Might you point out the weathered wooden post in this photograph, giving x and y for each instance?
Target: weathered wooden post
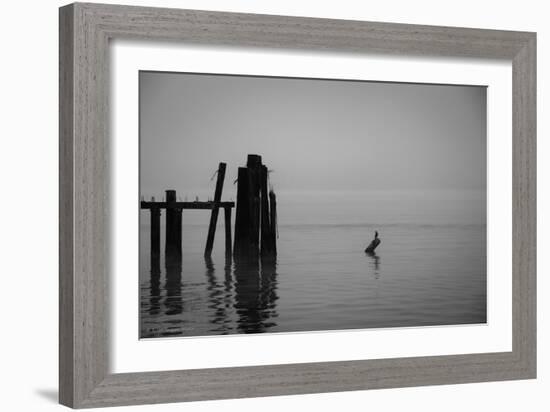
(254, 229)
(173, 226)
(242, 215)
(215, 211)
(155, 233)
(265, 231)
(228, 251)
(254, 164)
(273, 220)
(374, 244)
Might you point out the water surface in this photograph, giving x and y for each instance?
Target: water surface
(422, 274)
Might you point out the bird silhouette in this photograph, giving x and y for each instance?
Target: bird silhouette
(374, 244)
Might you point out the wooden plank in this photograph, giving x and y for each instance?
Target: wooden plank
(215, 210)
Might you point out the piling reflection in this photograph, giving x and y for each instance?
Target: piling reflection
(154, 286)
(173, 302)
(219, 297)
(231, 297)
(375, 262)
(255, 295)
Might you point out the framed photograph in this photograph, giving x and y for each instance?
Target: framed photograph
(257, 205)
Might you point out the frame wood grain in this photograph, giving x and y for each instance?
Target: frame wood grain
(85, 31)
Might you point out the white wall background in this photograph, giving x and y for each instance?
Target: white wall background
(28, 138)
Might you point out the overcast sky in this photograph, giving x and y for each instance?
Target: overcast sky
(316, 135)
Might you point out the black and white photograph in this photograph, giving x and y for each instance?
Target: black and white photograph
(272, 204)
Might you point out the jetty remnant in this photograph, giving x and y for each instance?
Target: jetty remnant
(214, 214)
(374, 244)
(256, 215)
(174, 211)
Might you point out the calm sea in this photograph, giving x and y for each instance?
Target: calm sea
(430, 268)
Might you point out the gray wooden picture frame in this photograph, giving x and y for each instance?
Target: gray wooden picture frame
(85, 31)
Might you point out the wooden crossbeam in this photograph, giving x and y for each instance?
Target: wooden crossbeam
(185, 205)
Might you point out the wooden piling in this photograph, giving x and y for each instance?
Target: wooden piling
(255, 230)
(254, 164)
(374, 244)
(273, 220)
(173, 226)
(215, 210)
(242, 216)
(228, 251)
(155, 233)
(266, 247)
